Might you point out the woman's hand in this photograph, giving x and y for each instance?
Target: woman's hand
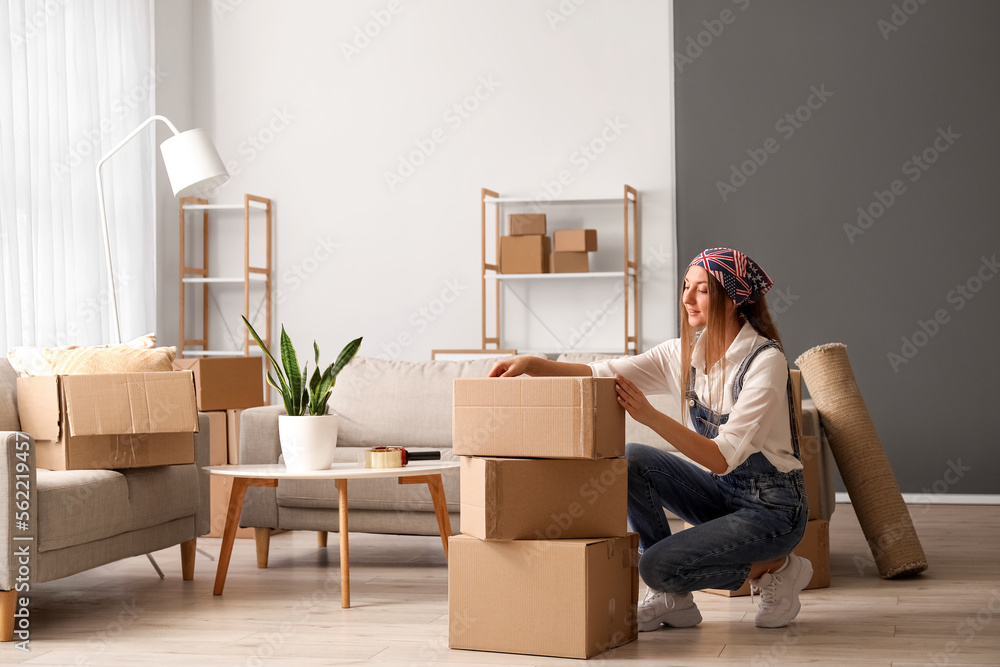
(510, 367)
(634, 401)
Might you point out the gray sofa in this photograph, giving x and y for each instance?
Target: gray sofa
(405, 404)
(80, 519)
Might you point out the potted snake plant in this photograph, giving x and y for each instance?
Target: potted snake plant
(307, 431)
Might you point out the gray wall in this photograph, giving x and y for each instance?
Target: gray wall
(897, 78)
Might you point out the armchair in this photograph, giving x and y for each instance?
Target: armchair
(57, 523)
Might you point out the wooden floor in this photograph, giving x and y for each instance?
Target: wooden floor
(290, 614)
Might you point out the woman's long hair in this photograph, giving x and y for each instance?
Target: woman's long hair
(757, 314)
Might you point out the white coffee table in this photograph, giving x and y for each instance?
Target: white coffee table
(268, 475)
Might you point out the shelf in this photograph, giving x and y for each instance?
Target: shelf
(552, 276)
(224, 207)
(254, 278)
(214, 353)
(555, 202)
(490, 265)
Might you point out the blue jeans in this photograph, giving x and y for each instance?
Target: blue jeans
(751, 515)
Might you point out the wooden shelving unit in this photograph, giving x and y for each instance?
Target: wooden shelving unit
(629, 272)
(252, 275)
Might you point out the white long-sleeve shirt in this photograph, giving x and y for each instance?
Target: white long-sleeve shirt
(758, 422)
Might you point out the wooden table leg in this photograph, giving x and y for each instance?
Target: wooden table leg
(236, 497)
(436, 487)
(345, 564)
(321, 539)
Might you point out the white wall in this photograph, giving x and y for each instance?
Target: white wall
(316, 128)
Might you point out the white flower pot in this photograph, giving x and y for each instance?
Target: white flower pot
(308, 442)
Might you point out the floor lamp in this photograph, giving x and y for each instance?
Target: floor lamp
(193, 167)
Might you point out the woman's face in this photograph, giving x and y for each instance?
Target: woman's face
(694, 296)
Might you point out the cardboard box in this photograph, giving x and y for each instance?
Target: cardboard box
(522, 224)
(117, 420)
(224, 383)
(564, 598)
(233, 435)
(809, 450)
(570, 262)
(538, 417)
(815, 547)
(221, 488)
(218, 454)
(575, 240)
(525, 254)
(526, 499)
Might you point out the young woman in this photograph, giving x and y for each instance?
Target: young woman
(729, 376)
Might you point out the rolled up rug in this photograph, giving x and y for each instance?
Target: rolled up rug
(862, 461)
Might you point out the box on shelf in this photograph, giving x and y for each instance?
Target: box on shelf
(522, 224)
(233, 434)
(538, 417)
(224, 383)
(528, 499)
(218, 452)
(563, 598)
(221, 487)
(570, 262)
(117, 420)
(814, 547)
(575, 240)
(525, 254)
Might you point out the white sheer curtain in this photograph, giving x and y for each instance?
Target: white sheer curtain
(76, 76)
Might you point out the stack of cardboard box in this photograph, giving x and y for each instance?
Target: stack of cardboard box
(571, 250)
(527, 248)
(545, 564)
(224, 387)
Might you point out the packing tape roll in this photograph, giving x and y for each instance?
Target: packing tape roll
(862, 461)
(384, 457)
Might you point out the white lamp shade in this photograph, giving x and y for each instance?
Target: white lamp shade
(193, 165)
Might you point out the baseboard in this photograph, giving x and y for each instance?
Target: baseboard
(939, 498)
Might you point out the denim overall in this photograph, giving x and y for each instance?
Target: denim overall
(752, 514)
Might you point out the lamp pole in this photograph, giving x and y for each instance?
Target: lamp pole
(104, 215)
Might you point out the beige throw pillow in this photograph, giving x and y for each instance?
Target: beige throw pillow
(113, 359)
(30, 361)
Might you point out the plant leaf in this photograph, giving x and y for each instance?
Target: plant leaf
(316, 347)
(274, 362)
(345, 356)
(291, 364)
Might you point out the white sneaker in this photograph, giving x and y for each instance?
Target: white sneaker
(779, 592)
(677, 610)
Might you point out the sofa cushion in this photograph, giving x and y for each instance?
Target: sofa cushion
(400, 403)
(81, 506)
(8, 398)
